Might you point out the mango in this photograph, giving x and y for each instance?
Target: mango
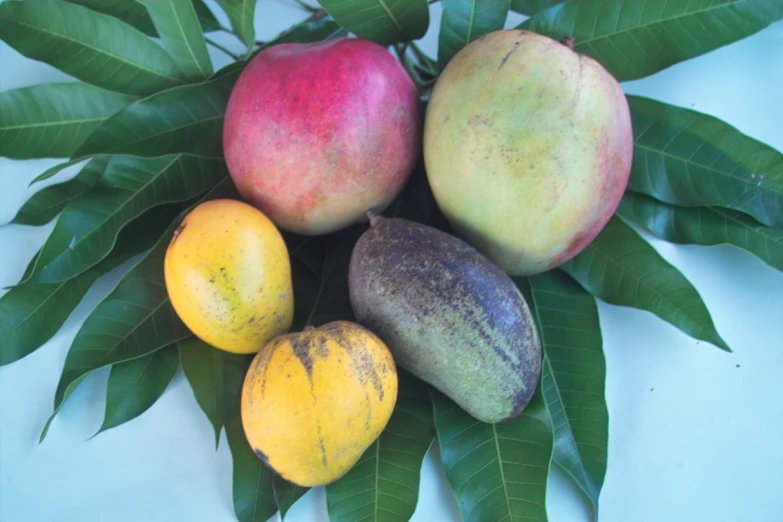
(448, 314)
(528, 148)
(314, 401)
(228, 276)
(315, 134)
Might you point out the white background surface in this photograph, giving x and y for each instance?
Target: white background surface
(695, 434)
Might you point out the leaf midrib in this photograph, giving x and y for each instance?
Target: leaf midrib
(186, 40)
(52, 123)
(96, 50)
(660, 21)
(502, 473)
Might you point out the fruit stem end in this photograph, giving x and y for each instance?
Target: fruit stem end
(569, 42)
(374, 218)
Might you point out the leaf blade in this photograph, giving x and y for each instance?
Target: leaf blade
(44, 205)
(216, 377)
(683, 157)
(91, 46)
(704, 226)
(497, 471)
(635, 38)
(573, 376)
(465, 20)
(241, 13)
(179, 29)
(131, 12)
(252, 481)
(88, 226)
(135, 385)
(186, 119)
(381, 21)
(531, 7)
(53, 120)
(392, 463)
(621, 268)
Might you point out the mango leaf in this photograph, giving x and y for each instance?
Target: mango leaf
(134, 320)
(179, 29)
(44, 205)
(573, 376)
(621, 268)
(683, 157)
(91, 46)
(286, 494)
(384, 485)
(531, 7)
(241, 14)
(254, 499)
(88, 226)
(135, 385)
(216, 377)
(52, 120)
(498, 472)
(133, 12)
(465, 20)
(704, 226)
(636, 38)
(187, 119)
(31, 314)
(381, 21)
(331, 302)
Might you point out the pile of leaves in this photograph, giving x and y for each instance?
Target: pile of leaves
(145, 119)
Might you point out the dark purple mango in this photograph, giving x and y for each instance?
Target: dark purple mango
(448, 314)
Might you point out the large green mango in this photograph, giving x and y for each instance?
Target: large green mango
(448, 314)
(528, 148)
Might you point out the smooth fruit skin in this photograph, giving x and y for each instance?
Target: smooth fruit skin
(317, 134)
(448, 314)
(528, 148)
(314, 401)
(228, 276)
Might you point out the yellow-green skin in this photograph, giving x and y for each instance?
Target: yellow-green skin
(528, 148)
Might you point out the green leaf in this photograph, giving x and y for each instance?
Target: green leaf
(51, 120)
(187, 119)
(216, 377)
(332, 302)
(31, 314)
(704, 226)
(683, 157)
(384, 483)
(44, 205)
(531, 7)
(135, 385)
(636, 38)
(88, 226)
(131, 12)
(241, 14)
(252, 481)
(134, 320)
(286, 494)
(180, 32)
(465, 20)
(621, 268)
(88, 45)
(383, 21)
(498, 472)
(573, 376)
(51, 171)
(134, 12)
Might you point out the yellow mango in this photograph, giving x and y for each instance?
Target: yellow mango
(314, 401)
(228, 276)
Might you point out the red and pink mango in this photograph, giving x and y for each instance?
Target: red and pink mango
(315, 135)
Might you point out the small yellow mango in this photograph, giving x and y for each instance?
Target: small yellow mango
(313, 402)
(228, 276)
